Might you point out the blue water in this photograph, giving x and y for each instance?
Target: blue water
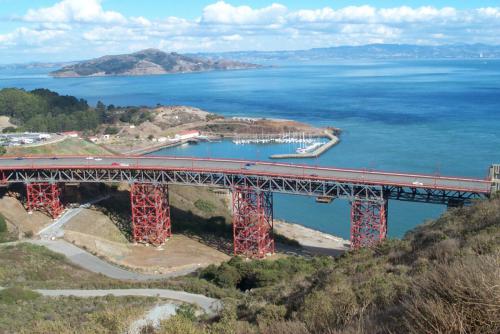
(440, 116)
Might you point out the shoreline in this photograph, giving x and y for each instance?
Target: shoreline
(312, 241)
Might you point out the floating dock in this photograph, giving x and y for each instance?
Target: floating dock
(334, 140)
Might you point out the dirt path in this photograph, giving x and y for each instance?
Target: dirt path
(92, 263)
(209, 305)
(153, 317)
(55, 230)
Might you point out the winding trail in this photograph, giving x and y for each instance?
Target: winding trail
(162, 311)
(94, 264)
(209, 305)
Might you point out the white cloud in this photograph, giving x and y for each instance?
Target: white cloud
(369, 14)
(83, 28)
(142, 21)
(87, 11)
(113, 34)
(421, 14)
(232, 38)
(26, 36)
(489, 12)
(224, 13)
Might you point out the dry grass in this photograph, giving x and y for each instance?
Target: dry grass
(444, 277)
(49, 315)
(70, 146)
(463, 297)
(36, 266)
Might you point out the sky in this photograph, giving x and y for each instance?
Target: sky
(52, 30)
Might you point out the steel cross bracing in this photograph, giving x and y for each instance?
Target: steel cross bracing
(252, 222)
(368, 222)
(44, 196)
(150, 213)
(279, 184)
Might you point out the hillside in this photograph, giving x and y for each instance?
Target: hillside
(443, 277)
(147, 62)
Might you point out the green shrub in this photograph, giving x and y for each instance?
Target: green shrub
(9, 129)
(204, 206)
(270, 314)
(111, 130)
(227, 276)
(16, 294)
(3, 224)
(325, 311)
(285, 327)
(187, 311)
(178, 325)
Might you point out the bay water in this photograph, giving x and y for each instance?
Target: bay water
(426, 116)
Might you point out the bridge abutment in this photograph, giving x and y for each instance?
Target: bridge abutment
(44, 196)
(150, 213)
(252, 222)
(368, 222)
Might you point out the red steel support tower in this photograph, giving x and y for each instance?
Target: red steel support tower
(44, 196)
(368, 222)
(150, 213)
(252, 222)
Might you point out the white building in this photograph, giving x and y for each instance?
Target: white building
(44, 136)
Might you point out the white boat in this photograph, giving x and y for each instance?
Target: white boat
(309, 148)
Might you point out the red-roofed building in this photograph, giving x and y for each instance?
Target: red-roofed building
(72, 134)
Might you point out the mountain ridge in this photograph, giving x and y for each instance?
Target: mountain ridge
(368, 51)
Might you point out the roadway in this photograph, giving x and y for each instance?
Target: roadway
(250, 168)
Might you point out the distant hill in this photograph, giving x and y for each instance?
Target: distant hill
(147, 62)
(370, 51)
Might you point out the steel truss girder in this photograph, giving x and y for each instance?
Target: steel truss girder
(278, 184)
(436, 196)
(289, 185)
(368, 222)
(45, 197)
(150, 213)
(252, 222)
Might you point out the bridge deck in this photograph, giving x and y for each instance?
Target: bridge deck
(250, 168)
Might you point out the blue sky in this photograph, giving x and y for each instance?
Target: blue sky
(58, 30)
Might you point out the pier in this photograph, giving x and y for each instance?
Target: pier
(334, 140)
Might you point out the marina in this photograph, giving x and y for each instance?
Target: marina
(311, 145)
(313, 150)
(284, 138)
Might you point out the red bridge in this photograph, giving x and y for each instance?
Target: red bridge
(252, 184)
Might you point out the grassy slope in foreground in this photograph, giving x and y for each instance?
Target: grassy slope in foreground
(27, 311)
(443, 277)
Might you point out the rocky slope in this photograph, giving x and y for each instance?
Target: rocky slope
(147, 62)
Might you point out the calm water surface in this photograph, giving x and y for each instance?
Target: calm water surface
(417, 116)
